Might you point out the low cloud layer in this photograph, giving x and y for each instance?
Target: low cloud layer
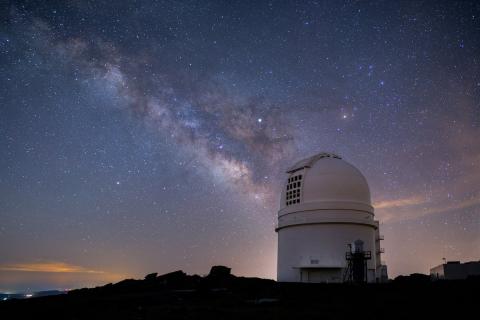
(51, 267)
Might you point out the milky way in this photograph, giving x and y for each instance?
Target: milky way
(153, 136)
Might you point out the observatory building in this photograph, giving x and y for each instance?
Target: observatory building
(326, 226)
(454, 270)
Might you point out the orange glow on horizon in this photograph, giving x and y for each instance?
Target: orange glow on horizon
(53, 267)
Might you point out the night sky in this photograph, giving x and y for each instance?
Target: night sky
(152, 136)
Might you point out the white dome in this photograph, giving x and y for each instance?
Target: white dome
(325, 206)
(327, 180)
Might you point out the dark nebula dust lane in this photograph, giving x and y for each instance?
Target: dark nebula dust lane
(151, 136)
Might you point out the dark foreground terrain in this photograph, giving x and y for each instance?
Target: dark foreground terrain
(223, 296)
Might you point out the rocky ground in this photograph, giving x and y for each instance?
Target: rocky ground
(221, 295)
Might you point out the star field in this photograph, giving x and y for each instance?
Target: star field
(152, 136)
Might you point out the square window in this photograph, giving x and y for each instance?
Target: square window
(292, 193)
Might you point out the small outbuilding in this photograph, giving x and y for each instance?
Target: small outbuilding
(454, 270)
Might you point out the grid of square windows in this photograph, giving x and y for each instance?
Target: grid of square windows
(293, 190)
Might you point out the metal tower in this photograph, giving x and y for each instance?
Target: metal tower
(356, 270)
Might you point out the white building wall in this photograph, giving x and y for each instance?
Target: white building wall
(315, 246)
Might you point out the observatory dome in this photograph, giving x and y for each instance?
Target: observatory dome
(325, 209)
(327, 179)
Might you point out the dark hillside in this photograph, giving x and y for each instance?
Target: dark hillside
(221, 295)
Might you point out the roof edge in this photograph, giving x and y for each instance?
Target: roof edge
(308, 162)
